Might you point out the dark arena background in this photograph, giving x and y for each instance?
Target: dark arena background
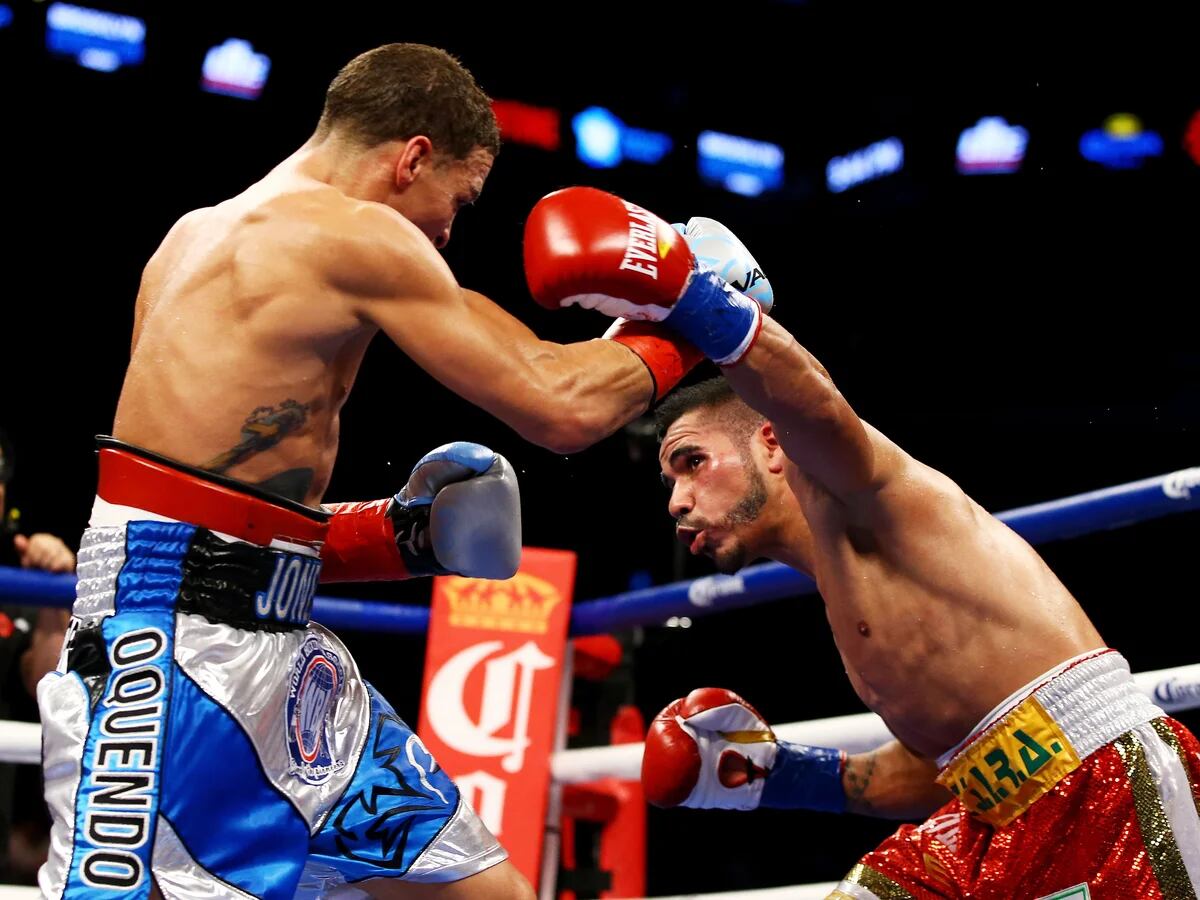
(994, 256)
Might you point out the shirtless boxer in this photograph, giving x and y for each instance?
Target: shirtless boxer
(202, 738)
(1065, 778)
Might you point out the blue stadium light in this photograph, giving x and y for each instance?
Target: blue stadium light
(1121, 143)
(597, 137)
(740, 165)
(235, 70)
(880, 159)
(98, 40)
(603, 141)
(6, 15)
(99, 59)
(645, 146)
(991, 147)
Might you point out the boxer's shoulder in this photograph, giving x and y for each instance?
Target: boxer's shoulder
(372, 251)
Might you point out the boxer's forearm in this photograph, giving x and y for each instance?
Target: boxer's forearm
(892, 783)
(589, 390)
(563, 397)
(816, 427)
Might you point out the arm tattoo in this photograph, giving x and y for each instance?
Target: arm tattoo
(857, 783)
(262, 430)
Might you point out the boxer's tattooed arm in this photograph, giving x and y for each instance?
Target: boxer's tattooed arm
(262, 430)
(892, 782)
(856, 779)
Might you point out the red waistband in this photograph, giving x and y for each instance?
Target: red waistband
(128, 477)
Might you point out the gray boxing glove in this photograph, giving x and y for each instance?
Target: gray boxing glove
(460, 513)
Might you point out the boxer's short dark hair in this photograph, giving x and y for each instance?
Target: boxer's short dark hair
(399, 91)
(715, 395)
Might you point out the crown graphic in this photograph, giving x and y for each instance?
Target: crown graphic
(523, 603)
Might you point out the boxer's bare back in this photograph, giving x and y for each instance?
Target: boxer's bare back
(243, 351)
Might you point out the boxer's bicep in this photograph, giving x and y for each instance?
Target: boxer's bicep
(394, 280)
(490, 359)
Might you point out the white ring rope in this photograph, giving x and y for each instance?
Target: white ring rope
(1172, 689)
(20, 742)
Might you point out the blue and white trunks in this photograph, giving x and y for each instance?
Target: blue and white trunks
(200, 733)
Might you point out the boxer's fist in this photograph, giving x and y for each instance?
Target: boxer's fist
(459, 512)
(668, 355)
(710, 749)
(587, 247)
(716, 247)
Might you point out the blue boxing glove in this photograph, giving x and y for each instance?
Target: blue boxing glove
(460, 513)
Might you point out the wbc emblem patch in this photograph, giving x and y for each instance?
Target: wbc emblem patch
(313, 690)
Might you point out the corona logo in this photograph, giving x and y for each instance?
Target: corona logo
(502, 725)
(522, 604)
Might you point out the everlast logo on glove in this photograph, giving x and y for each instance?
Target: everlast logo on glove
(643, 250)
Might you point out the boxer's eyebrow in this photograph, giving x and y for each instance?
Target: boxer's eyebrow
(682, 450)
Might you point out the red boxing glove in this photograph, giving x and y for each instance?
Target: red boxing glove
(552, 278)
(708, 750)
(582, 243)
(712, 750)
(591, 248)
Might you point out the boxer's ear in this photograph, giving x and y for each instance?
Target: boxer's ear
(415, 155)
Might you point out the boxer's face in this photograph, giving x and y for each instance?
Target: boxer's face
(432, 188)
(717, 490)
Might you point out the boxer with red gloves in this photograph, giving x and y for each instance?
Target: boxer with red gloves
(1001, 693)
